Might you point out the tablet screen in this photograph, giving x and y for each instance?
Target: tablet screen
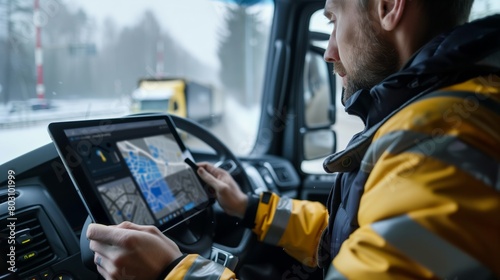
(131, 169)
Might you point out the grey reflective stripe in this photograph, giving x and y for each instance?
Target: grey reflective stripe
(204, 269)
(428, 249)
(453, 151)
(395, 142)
(467, 96)
(334, 274)
(280, 221)
(447, 149)
(335, 162)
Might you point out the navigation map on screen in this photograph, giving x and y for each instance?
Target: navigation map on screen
(131, 170)
(167, 183)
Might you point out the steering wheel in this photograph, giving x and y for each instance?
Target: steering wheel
(196, 234)
(226, 160)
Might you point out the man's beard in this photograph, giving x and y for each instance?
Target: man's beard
(375, 60)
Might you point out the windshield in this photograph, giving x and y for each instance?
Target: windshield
(82, 59)
(201, 59)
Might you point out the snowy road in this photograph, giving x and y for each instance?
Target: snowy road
(237, 128)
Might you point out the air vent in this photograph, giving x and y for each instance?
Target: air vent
(32, 248)
(4, 197)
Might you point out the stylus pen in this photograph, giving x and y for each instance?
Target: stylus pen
(191, 163)
(195, 169)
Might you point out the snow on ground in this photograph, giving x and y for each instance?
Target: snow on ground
(27, 130)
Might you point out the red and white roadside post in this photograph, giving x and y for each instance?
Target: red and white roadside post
(40, 88)
(159, 60)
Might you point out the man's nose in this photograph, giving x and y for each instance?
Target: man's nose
(332, 52)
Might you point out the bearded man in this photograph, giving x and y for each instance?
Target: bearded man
(417, 194)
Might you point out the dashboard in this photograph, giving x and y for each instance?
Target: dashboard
(42, 216)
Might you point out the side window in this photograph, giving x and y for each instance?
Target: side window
(483, 8)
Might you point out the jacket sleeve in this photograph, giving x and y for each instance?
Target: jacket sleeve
(431, 204)
(295, 225)
(196, 267)
(292, 224)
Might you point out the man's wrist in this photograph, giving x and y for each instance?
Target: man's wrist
(170, 267)
(251, 211)
(242, 205)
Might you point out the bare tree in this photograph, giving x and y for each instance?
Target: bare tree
(17, 43)
(242, 49)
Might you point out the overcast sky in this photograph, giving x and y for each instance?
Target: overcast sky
(193, 16)
(194, 23)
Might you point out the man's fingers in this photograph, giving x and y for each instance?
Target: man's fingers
(98, 260)
(102, 266)
(208, 167)
(215, 171)
(95, 231)
(208, 178)
(105, 234)
(143, 228)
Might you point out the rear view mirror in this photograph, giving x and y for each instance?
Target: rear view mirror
(319, 143)
(318, 139)
(318, 105)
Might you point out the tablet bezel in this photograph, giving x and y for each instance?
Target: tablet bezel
(88, 190)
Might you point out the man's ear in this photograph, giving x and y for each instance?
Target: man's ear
(390, 13)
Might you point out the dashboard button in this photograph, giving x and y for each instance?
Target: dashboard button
(23, 239)
(62, 276)
(46, 275)
(27, 256)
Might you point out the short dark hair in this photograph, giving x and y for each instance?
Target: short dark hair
(446, 14)
(441, 14)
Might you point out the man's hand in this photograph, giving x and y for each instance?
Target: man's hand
(230, 197)
(130, 251)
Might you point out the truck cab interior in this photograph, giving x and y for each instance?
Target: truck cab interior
(275, 98)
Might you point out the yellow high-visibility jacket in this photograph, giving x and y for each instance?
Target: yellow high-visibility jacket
(423, 179)
(429, 211)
